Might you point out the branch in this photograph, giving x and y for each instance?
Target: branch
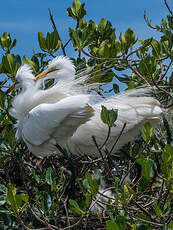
(107, 138)
(99, 58)
(54, 27)
(148, 22)
(170, 11)
(168, 131)
(117, 138)
(141, 47)
(97, 146)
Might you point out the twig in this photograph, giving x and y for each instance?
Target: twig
(167, 193)
(96, 144)
(66, 210)
(117, 138)
(148, 22)
(161, 89)
(166, 71)
(26, 228)
(168, 131)
(146, 221)
(101, 154)
(137, 73)
(144, 210)
(134, 185)
(54, 27)
(170, 11)
(126, 174)
(67, 42)
(4, 86)
(23, 225)
(74, 225)
(141, 47)
(161, 191)
(99, 58)
(45, 221)
(107, 138)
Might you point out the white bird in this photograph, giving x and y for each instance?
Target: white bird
(65, 114)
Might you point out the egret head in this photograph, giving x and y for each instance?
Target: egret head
(24, 78)
(60, 68)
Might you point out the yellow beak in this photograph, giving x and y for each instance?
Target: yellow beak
(45, 72)
(41, 75)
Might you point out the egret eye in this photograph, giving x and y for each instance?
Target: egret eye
(18, 87)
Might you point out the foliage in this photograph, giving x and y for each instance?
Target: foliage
(34, 193)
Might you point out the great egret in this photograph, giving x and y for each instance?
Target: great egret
(69, 117)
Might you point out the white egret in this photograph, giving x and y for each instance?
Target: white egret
(65, 115)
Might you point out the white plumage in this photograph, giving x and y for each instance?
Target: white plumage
(64, 114)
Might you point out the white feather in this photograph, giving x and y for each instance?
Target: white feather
(45, 117)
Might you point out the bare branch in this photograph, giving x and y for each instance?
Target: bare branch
(117, 138)
(170, 11)
(54, 27)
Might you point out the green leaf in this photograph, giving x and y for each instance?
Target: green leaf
(147, 167)
(55, 42)
(126, 194)
(75, 208)
(116, 184)
(170, 225)
(15, 200)
(51, 43)
(103, 50)
(13, 44)
(93, 184)
(35, 176)
(109, 116)
(148, 66)
(111, 225)
(42, 41)
(11, 64)
(2, 100)
(5, 40)
(11, 197)
(167, 155)
(3, 199)
(77, 11)
(158, 211)
(76, 7)
(156, 49)
(130, 37)
(49, 176)
(31, 63)
(147, 132)
(3, 188)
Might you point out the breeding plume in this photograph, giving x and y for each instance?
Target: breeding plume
(66, 115)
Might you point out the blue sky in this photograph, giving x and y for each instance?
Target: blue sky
(23, 19)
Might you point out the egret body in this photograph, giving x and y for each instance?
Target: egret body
(66, 115)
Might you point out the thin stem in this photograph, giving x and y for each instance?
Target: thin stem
(168, 131)
(54, 27)
(107, 138)
(67, 42)
(96, 144)
(74, 225)
(141, 47)
(137, 73)
(118, 138)
(170, 11)
(99, 58)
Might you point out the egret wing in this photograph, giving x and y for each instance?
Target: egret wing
(46, 121)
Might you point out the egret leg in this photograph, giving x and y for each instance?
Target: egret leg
(72, 169)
